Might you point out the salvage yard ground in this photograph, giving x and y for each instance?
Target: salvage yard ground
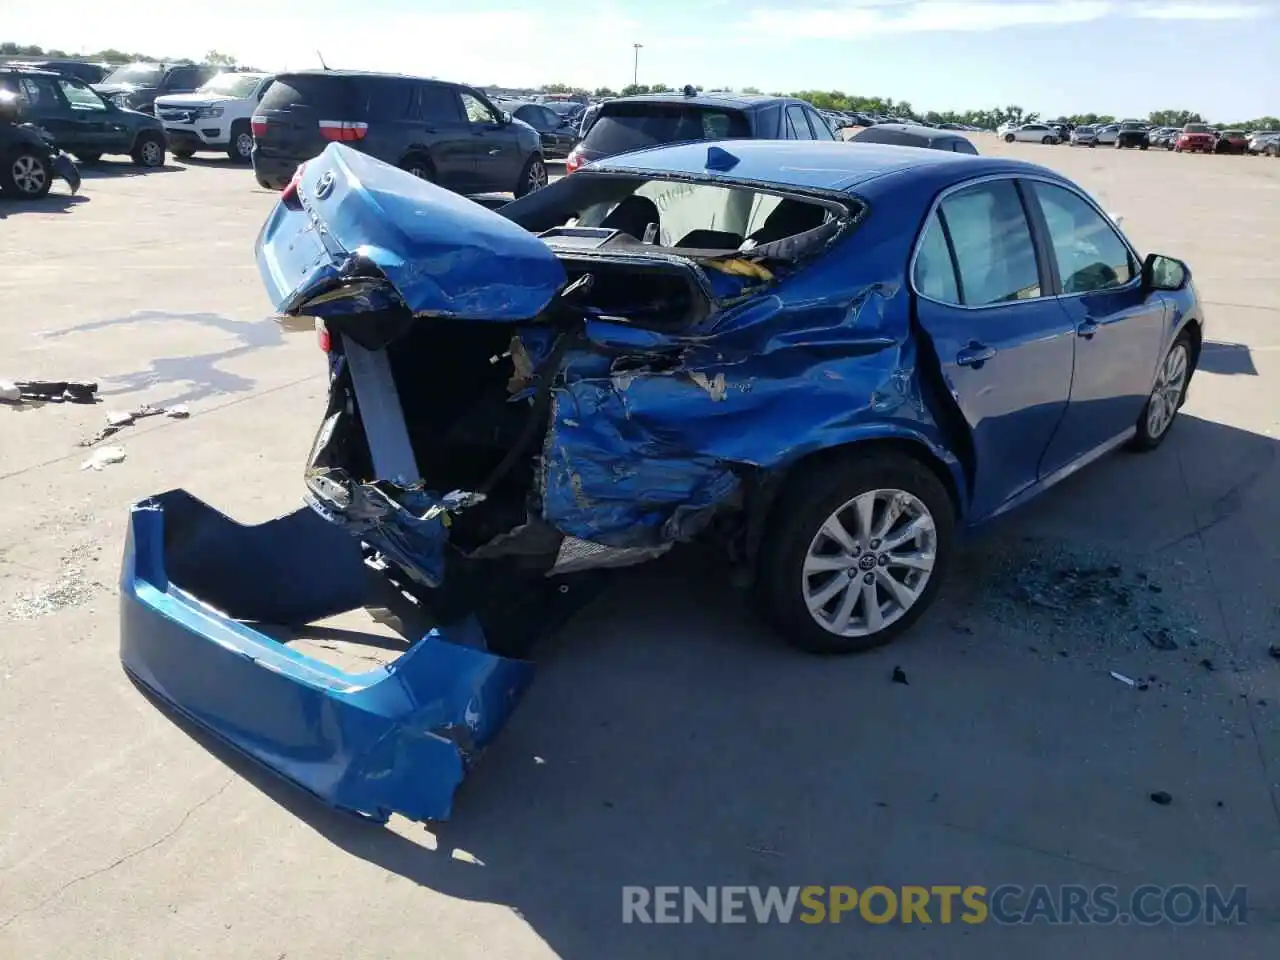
(669, 739)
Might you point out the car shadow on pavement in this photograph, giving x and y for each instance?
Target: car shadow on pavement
(102, 169)
(1227, 359)
(673, 740)
(200, 372)
(50, 203)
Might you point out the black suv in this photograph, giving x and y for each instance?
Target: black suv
(1132, 134)
(632, 123)
(443, 132)
(135, 86)
(81, 121)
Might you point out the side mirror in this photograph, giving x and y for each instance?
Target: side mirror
(504, 119)
(1164, 273)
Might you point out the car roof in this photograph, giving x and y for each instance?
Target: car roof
(365, 74)
(737, 101)
(30, 70)
(819, 165)
(916, 130)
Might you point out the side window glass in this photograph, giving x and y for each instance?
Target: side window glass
(476, 110)
(821, 131)
(550, 119)
(992, 241)
(1089, 253)
(39, 92)
(80, 97)
(436, 103)
(935, 277)
(797, 126)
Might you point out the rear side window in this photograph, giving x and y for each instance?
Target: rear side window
(821, 129)
(935, 275)
(438, 103)
(992, 241)
(327, 94)
(632, 126)
(797, 126)
(387, 99)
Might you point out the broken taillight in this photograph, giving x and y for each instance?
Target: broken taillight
(343, 131)
(572, 162)
(289, 195)
(322, 334)
(258, 125)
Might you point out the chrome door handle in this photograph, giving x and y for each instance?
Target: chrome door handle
(494, 152)
(975, 355)
(1087, 329)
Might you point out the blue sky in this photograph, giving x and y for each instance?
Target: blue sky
(1126, 57)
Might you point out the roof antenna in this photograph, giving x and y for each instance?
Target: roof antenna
(323, 65)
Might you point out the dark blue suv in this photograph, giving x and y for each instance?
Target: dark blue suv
(633, 123)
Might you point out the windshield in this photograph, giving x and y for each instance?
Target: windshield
(236, 85)
(1233, 133)
(631, 126)
(1084, 129)
(1195, 128)
(1131, 126)
(139, 74)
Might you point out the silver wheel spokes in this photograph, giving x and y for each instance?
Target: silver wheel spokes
(1167, 394)
(537, 176)
(28, 174)
(151, 153)
(869, 563)
(244, 144)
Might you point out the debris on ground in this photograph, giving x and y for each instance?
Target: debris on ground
(104, 457)
(1162, 798)
(1207, 664)
(1274, 651)
(1060, 591)
(71, 588)
(899, 676)
(51, 391)
(1127, 681)
(118, 420)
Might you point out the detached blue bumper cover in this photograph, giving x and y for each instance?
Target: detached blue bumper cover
(398, 739)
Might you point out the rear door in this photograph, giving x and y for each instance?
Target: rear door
(447, 136)
(1004, 344)
(44, 106)
(795, 124)
(1119, 327)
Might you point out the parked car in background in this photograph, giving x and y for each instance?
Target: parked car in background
(84, 70)
(914, 135)
(633, 123)
(1259, 139)
(1030, 133)
(1084, 136)
(81, 121)
(448, 133)
(1163, 137)
(569, 111)
(1062, 131)
(1104, 135)
(135, 86)
(1232, 141)
(557, 132)
(1196, 138)
(215, 117)
(1132, 134)
(1267, 145)
(29, 159)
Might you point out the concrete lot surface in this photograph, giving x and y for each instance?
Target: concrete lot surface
(669, 739)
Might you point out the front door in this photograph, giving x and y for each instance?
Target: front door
(93, 121)
(1003, 343)
(497, 146)
(1119, 326)
(444, 132)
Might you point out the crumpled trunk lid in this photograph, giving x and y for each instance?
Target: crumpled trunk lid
(444, 254)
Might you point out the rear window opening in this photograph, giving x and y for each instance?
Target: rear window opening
(633, 126)
(317, 92)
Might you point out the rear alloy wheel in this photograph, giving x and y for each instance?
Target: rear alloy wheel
(860, 555)
(1047, 141)
(533, 177)
(149, 150)
(1167, 396)
(1009, 138)
(241, 147)
(26, 175)
(419, 166)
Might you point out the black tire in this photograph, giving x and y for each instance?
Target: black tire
(1009, 138)
(420, 166)
(148, 150)
(240, 147)
(1143, 146)
(532, 177)
(800, 515)
(1047, 141)
(25, 175)
(183, 154)
(1093, 144)
(1147, 438)
(88, 158)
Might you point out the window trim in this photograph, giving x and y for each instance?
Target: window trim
(1039, 236)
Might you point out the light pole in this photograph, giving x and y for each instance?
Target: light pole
(635, 73)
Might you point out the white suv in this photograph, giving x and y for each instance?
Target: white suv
(215, 117)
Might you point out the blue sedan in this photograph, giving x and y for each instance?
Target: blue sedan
(828, 358)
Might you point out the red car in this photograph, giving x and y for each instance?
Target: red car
(1232, 141)
(1196, 137)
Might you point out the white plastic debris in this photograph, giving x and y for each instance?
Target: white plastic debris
(1127, 681)
(9, 392)
(104, 457)
(178, 411)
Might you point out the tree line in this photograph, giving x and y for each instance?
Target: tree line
(822, 99)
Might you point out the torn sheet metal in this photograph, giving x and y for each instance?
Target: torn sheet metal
(398, 739)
